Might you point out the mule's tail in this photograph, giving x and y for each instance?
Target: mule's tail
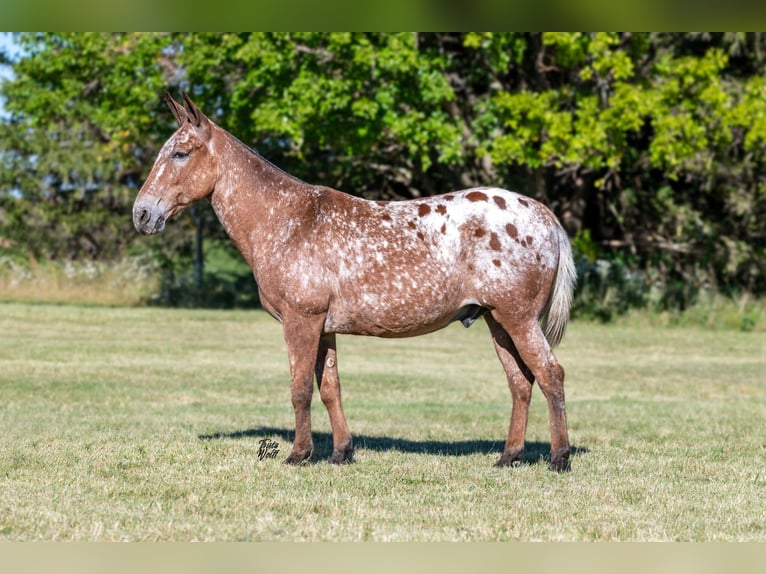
(556, 313)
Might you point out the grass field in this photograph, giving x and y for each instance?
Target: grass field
(144, 424)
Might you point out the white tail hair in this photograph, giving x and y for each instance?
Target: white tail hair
(556, 313)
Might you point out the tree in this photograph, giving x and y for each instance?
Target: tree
(660, 140)
(650, 147)
(368, 113)
(83, 125)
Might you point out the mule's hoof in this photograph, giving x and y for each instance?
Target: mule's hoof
(560, 463)
(296, 458)
(341, 457)
(509, 459)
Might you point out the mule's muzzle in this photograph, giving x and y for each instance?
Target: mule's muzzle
(148, 219)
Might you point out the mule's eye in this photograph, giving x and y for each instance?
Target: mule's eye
(179, 155)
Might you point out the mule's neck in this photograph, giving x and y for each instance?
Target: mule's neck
(252, 197)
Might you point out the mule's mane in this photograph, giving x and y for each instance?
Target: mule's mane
(262, 158)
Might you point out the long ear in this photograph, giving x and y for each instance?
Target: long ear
(178, 111)
(196, 117)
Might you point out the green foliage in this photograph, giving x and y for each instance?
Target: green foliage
(607, 290)
(583, 245)
(227, 281)
(671, 142)
(332, 107)
(81, 123)
(650, 147)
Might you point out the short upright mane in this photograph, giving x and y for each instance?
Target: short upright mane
(260, 157)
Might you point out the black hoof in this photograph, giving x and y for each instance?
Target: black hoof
(560, 463)
(297, 458)
(509, 459)
(341, 457)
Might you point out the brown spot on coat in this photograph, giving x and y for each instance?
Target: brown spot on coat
(496, 262)
(524, 202)
(411, 224)
(421, 236)
(479, 232)
(530, 240)
(386, 217)
(424, 209)
(444, 228)
(499, 201)
(494, 242)
(512, 231)
(441, 208)
(448, 197)
(477, 196)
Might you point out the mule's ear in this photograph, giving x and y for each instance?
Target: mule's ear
(196, 117)
(178, 111)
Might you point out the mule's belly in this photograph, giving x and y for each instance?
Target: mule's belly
(405, 291)
(399, 326)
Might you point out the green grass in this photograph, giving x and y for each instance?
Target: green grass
(143, 424)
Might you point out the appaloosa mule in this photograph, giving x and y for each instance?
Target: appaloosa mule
(326, 262)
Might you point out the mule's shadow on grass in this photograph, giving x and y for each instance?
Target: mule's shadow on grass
(534, 452)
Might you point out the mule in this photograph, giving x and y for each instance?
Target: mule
(327, 263)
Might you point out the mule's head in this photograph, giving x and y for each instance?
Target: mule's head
(185, 170)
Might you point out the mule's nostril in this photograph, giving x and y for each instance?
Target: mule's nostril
(143, 219)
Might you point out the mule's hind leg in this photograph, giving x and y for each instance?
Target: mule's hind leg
(520, 383)
(329, 389)
(535, 352)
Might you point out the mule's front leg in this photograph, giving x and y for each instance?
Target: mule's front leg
(302, 338)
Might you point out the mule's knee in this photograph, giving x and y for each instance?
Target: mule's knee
(301, 399)
(329, 385)
(555, 371)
